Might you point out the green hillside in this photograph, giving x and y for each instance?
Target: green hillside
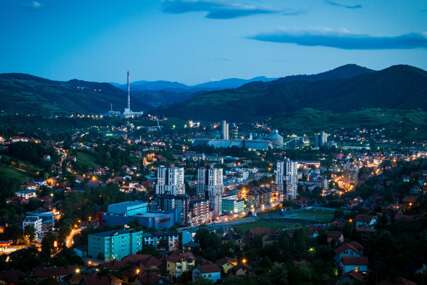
(24, 93)
(397, 87)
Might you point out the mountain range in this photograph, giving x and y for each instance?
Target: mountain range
(171, 86)
(163, 93)
(344, 89)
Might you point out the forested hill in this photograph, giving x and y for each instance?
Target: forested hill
(347, 88)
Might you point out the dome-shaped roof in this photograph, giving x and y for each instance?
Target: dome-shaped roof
(276, 139)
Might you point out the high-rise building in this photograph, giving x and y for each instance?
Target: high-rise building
(210, 181)
(287, 178)
(225, 127)
(235, 132)
(170, 181)
(321, 139)
(179, 204)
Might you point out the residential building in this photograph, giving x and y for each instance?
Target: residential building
(48, 220)
(199, 213)
(179, 204)
(170, 181)
(178, 263)
(170, 239)
(27, 194)
(112, 245)
(233, 205)
(36, 223)
(349, 249)
(212, 181)
(357, 264)
(225, 130)
(208, 271)
(287, 178)
(321, 139)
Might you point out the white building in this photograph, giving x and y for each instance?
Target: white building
(170, 181)
(287, 178)
(27, 194)
(211, 181)
(225, 130)
(35, 222)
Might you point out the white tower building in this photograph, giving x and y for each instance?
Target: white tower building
(211, 181)
(170, 181)
(287, 178)
(225, 130)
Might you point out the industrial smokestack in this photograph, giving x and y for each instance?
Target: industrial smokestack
(128, 90)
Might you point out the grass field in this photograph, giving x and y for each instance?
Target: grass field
(10, 180)
(85, 161)
(264, 223)
(311, 214)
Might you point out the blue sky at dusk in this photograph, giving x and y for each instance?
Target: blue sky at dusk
(195, 41)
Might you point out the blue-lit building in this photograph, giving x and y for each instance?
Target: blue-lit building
(136, 211)
(114, 244)
(128, 208)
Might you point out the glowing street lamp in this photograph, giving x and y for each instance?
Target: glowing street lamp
(244, 261)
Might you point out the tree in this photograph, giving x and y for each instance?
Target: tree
(30, 232)
(48, 245)
(202, 281)
(279, 274)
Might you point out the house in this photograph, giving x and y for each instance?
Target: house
(178, 263)
(170, 240)
(27, 194)
(365, 222)
(208, 271)
(334, 238)
(357, 264)
(240, 270)
(353, 277)
(349, 249)
(227, 264)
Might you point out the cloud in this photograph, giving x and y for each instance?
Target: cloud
(344, 39)
(215, 9)
(32, 4)
(343, 5)
(36, 4)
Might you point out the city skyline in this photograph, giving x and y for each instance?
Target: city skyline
(198, 41)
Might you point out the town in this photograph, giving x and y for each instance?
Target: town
(159, 201)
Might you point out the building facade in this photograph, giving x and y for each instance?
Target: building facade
(232, 205)
(225, 130)
(287, 178)
(114, 244)
(170, 181)
(211, 181)
(200, 213)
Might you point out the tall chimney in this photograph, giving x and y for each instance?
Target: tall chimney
(128, 90)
